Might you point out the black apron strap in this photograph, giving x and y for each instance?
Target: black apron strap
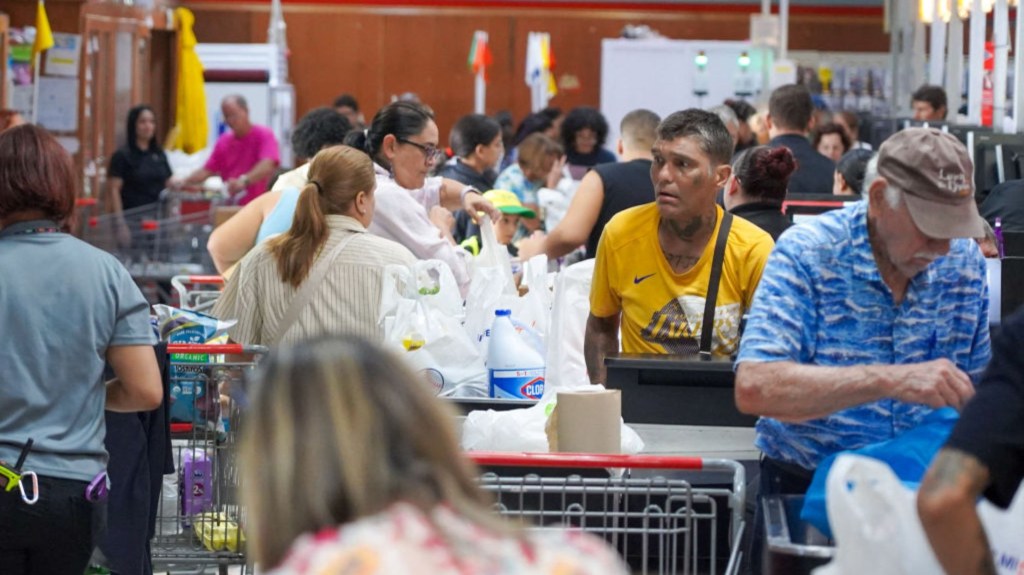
(707, 329)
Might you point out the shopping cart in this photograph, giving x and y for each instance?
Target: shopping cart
(159, 240)
(663, 514)
(200, 519)
(197, 293)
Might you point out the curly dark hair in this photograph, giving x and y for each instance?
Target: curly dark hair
(319, 128)
(580, 118)
(831, 128)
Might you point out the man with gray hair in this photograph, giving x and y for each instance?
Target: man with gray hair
(732, 123)
(244, 157)
(678, 273)
(868, 317)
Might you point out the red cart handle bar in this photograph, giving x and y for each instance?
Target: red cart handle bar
(216, 348)
(588, 460)
(201, 279)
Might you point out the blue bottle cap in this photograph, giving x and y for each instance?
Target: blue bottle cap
(501, 312)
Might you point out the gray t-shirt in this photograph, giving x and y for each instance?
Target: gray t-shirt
(62, 304)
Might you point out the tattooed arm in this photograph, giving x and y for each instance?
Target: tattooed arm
(600, 339)
(947, 505)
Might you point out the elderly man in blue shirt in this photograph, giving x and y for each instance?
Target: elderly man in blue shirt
(870, 316)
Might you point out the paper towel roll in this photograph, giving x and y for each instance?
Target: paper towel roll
(588, 421)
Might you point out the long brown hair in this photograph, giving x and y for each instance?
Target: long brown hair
(336, 176)
(340, 429)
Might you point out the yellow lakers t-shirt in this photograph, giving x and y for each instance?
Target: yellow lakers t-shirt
(662, 311)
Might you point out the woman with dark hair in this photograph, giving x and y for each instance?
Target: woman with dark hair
(413, 209)
(757, 187)
(831, 141)
(476, 141)
(353, 466)
(68, 310)
(327, 243)
(584, 132)
(138, 170)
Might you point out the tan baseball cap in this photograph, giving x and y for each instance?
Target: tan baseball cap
(936, 176)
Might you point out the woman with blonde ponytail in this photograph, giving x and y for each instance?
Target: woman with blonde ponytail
(327, 245)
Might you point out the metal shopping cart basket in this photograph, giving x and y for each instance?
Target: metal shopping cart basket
(159, 240)
(200, 519)
(663, 514)
(197, 293)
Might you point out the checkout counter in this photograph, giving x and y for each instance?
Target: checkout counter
(678, 405)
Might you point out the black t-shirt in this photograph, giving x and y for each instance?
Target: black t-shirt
(626, 185)
(144, 174)
(1006, 201)
(991, 427)
(766, 215)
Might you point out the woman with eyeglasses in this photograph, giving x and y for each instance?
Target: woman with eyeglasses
(413, 209)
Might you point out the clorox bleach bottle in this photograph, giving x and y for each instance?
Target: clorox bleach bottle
(514, 369)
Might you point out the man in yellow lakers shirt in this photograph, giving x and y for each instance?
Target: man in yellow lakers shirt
(655, 262)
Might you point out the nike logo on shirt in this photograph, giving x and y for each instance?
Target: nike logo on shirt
(637, 280)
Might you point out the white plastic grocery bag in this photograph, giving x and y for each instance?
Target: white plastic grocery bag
(431, 281)
(493, 255)
(1005, 532)
(566, 367)
(434, 344)
(877, 529)
(875, 523)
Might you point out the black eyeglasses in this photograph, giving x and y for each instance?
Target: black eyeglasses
(431, 152)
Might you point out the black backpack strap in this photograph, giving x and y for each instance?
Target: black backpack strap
(708, 327)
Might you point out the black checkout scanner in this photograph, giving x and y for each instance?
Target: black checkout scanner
(676, 390)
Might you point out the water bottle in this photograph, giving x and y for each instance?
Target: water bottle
(514, 369)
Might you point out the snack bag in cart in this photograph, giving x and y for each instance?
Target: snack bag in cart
(192, 399)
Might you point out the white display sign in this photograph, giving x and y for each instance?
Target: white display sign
(58, 104)
(64, 57)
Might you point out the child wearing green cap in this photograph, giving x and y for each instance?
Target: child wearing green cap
(504, 229)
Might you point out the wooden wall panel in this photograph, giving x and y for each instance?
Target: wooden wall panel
(63, 16)
(377, 52)
(229, 26)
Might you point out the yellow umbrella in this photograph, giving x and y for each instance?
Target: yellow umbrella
(191, 127)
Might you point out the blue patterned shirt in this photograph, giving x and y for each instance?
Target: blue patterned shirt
(822, 301)
(514, 180)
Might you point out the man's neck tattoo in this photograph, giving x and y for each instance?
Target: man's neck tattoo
(691, 228)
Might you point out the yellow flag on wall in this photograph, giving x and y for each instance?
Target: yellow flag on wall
(44, 36)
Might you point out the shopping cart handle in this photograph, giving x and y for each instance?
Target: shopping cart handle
(588, 460)
(198, 279)
(216, 348)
